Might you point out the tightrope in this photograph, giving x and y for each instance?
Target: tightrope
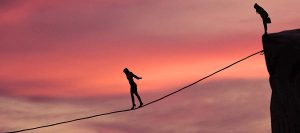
(154, 101)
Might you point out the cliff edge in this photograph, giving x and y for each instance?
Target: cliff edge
(282, 54)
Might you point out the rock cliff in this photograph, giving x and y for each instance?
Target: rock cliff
(282, 54)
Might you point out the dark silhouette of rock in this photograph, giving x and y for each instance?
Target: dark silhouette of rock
(282, 54)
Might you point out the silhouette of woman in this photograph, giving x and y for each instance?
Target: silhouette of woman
(264, 15)
(133, 87)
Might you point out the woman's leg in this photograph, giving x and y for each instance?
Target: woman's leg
(265, 21)
(132, 99)
(265, 27)
(139, 98)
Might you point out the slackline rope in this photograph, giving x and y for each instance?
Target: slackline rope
(154, 101)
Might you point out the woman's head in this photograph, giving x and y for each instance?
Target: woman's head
(256, 5)
(126, 70)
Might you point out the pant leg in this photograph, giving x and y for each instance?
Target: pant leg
(265, 22)
(265, 27)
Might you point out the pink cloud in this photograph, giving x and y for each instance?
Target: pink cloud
(213, 107)
(54, 52)
(86, 44)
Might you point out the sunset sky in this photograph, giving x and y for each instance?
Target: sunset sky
(62, 59)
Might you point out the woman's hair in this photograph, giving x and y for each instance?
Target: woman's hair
(125, 70)
(256, 5)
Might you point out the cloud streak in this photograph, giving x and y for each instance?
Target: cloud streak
(226, 105)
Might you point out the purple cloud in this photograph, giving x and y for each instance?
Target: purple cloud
(212, 107)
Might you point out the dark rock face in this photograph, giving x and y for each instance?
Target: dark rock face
(282, 54)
